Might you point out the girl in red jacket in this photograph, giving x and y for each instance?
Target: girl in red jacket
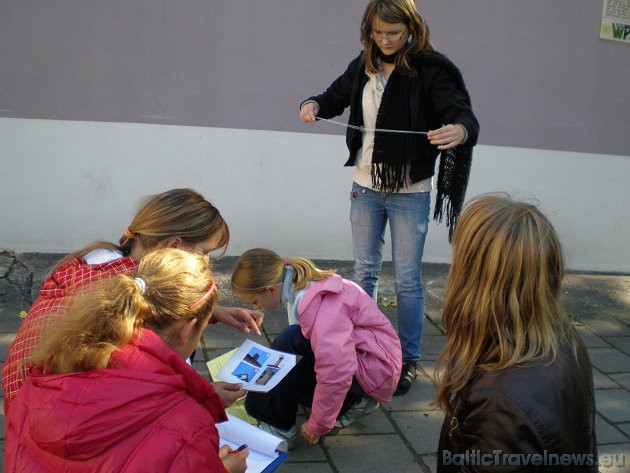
(178, 218)
(110, 390)
(351, 355)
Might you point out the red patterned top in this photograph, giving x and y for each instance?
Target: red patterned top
(56, 295)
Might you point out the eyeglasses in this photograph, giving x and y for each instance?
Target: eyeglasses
(392, 37)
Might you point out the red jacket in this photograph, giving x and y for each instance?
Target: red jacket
(148, 412)
(56, 294)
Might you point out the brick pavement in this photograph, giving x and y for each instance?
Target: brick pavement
(401, 436)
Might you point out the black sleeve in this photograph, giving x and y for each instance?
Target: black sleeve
(452, 104)
(337, 97)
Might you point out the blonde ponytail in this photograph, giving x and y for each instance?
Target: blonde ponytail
(110, 314)
(258, 268)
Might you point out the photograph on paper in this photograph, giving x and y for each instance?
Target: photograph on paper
(259, 368)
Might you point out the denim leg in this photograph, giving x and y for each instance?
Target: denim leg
(279, 406)
(409, 221)
(368, 218)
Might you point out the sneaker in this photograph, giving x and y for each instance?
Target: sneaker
(362, 408)
(407, 377)
(289, 436)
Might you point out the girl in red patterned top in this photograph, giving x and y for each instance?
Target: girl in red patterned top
(179, 218)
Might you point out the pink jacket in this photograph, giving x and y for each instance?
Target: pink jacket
(350, 337)
(148, 412)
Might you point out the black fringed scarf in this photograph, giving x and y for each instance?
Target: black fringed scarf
(389, 169)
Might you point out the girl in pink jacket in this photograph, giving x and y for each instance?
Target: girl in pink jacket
(351, 354)
(110, 389)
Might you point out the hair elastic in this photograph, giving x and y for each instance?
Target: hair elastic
(129, 234)
(286, 261)
(204, 298)
(141, 283)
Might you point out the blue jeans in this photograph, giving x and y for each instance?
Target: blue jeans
(408, 216)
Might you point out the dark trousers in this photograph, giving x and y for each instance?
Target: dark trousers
(279, 406)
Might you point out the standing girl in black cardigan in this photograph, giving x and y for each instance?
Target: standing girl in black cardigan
(408, 104)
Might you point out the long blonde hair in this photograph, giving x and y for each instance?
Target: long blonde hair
(103, 319)
(177, 212)
(258, 268)
(395, 11)
(502, 303)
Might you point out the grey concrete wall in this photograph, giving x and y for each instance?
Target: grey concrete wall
(538, 73)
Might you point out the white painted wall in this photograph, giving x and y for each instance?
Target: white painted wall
(64, 184)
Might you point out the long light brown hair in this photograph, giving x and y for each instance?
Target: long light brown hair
(107, 316)
(258, 268)
(502, 303)
(180, 213)
(395, 11)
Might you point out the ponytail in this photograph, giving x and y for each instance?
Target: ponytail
(100, 322)
(306, 271)
(258, 268)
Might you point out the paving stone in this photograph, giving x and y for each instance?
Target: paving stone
(431, 462)
(422, 430)
(605, 325)
(9, 320)
(432, 346)
(376, 423)
(620, 343)
(311, 467)
(5, 341)
(431, 329)
(623, 379)
(428, 366)
(614, 458)
(609, 360)
(590, 339)
(607, 433)
(586, 294)
(225, 337)
(613, 404)
(603, 381)
(370, 454)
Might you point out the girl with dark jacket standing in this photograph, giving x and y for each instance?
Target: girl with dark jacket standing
(408, 104)
(517, 383)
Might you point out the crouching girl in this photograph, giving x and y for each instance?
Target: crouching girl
(351, 354)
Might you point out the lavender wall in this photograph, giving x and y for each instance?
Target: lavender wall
(538, 73)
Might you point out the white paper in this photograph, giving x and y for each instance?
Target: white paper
(257, 367)
(262, 445)
(616, 21)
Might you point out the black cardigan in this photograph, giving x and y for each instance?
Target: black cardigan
(437, 96)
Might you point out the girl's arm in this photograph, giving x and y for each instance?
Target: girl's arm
(244, 320)
(452, 105)
(337, 97)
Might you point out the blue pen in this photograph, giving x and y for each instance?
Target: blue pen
(242, 447)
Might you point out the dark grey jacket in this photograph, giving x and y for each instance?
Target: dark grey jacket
(535, 412)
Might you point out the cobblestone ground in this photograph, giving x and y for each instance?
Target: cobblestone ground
(401, 436)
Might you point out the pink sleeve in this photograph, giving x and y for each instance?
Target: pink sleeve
(335, 362)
